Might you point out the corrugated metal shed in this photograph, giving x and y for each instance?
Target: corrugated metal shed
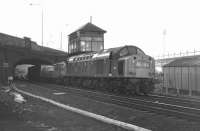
(183, 75)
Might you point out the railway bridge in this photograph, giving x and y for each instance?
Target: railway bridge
(16, 51)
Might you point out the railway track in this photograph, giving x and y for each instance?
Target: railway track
(192, 103)
(183, 112)
(183, 109)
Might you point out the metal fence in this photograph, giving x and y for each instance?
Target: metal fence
(178, 54)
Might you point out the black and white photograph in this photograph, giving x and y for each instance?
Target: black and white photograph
(99, 65)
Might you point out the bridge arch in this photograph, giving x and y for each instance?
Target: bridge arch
(20, 68)
(29, 61)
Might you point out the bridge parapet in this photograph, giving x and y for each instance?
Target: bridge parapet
(8, 41)
(12, 41)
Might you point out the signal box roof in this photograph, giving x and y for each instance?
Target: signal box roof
(89, 27)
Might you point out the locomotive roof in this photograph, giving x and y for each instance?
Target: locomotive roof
(117, 50)
(114, 52)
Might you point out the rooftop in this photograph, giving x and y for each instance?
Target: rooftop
(185, 62)
(89, 27)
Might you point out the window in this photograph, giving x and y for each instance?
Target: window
(94, 46)
(140, 52)
(86, 38)
(83, 46)
(89, 43)
(73, 46)
(97, 46)
(132, 50)
(69, 49)
(101, 45)
(123, 52)
(88, 46)
(97, 38)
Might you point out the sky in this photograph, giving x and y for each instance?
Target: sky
(156, 26)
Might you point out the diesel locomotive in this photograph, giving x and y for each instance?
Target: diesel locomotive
(125, 69)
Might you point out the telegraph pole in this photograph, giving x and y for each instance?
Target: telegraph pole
(162, 63)
(42, 27)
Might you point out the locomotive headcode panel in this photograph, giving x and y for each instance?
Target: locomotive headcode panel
(123, 69)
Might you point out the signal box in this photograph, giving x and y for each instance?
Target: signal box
(88, 38)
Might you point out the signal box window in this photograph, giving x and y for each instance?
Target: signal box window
(97, 46)
(88, 46)
(83, 46)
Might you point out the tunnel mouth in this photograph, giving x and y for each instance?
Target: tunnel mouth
(21, 68)
(21, 71)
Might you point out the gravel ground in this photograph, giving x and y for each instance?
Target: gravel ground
(147, 120)
(10, 121)
(53, 118)
(42, 116)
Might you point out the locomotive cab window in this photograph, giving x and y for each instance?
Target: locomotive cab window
(140, 52)
(123, 52)
(132, 50)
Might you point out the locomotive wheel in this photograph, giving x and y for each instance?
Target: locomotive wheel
(106, 86)
(130, 88)
(65, 81)
(90, 83)
(101, 84)
(137, 89)
(115, 86)
(73, 82)
(85, 83)
(109, 87)
(95, 84)
(78, 82)
(146, 87)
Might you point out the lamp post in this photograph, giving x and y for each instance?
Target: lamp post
(164, 41)
(61, 38)
(42, 15)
